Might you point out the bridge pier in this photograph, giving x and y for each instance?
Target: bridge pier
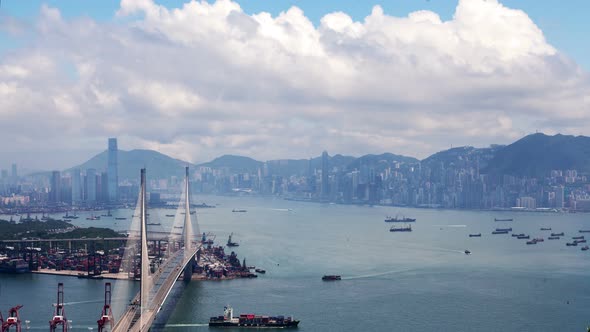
(188, 269)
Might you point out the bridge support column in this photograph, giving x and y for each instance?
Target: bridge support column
(188, 270)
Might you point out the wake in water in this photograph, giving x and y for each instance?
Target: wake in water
(451, 226)
(377, 274)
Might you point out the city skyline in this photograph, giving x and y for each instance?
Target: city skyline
(353, 81)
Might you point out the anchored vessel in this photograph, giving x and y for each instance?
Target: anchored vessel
(505, 219)
(331, 277)
(407, 228)
(398, 219)
(250, 320)
(230, 243)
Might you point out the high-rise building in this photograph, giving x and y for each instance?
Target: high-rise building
(76, 187)
(559, 197)
(113, 177)
(324, 191)
(55, 193)
(14, 173)
(91, 186)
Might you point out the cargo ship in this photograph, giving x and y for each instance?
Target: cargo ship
(505, 219)
(14, 266)
(331, 277)
(251, 321)
(407, 228)
(475, 235)
(398, 219)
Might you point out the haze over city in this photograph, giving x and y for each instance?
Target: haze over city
(279, 80)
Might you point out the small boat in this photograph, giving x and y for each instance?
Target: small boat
(581, 237)
(109, 214)
(475, 235)
(260, 271)
(545, 228)
(407, 228)
(531, 242)
(553, 238)
(467, 252)
(524, 237)
(504, 229)
(505, 219)
(584, 231)
(177, 226)
(557, 234)
(584, 248)
(500, 232)
(580, 241)
(230, 243)
(154, 224)
(331, 277)
(572, 244)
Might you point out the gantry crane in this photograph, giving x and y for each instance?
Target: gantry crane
(12, 320)
(59, 316)
(106, 317)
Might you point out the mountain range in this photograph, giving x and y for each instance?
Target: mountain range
(534, 155)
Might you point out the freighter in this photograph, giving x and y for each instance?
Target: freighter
(252, 321)
(398, 219)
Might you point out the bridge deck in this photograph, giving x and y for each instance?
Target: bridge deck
(136, 319)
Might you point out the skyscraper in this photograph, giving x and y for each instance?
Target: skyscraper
(91, 185)
(55, 194)
(113, 177)
(76, 187)
(324, 191)
(14, 173)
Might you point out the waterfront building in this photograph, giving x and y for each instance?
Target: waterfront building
(90, 186)
(324, 189)
(113, 177)
(55, 193)
(76, 187)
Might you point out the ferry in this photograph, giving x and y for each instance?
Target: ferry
(251, 321)
(475, 235)
(398, 219)
(467, 252)
(506, 219)
(407, 228)
(331, 277)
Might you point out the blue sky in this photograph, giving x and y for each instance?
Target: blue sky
(564, 23)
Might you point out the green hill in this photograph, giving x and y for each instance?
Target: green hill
(537, 154)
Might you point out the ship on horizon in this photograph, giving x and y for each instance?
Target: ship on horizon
(398, 219)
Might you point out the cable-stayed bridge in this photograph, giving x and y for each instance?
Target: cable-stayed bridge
(155, 288)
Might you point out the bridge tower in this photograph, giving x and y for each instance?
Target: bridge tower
(144, 289)
(106, 317)
(187, 228)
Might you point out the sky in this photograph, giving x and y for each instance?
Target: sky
(274, 79)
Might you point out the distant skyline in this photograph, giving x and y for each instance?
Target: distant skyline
(203, 79)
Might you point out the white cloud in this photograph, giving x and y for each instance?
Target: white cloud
(206, 79)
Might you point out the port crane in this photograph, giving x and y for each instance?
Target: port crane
(12, 320)
(106, 317)
(59, 316)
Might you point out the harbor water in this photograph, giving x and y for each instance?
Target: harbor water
(408, 281)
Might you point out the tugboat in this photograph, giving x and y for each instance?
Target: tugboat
(467, 252)
(230, 243)
(251, 321)
(397, 219)
(407, 228)
(331, 277)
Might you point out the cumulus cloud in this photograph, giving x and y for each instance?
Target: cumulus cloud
(207, 79)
